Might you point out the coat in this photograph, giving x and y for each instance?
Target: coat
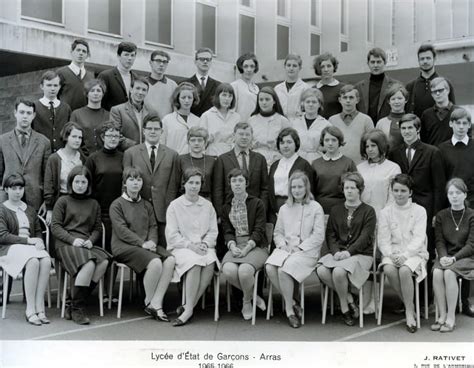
(116, 91)
(205, 97)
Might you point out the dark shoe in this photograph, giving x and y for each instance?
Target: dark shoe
(157, 314)
(400, 309)
(178, 322)
(67, 311)
(33, 319)
(78, 313)
(411, 328)
(180, 310)
(42, 317)
(298, 311)
(294, 321)
(436, 326)
(79, 316)
(447, 328)
(354, 310)
(348, 319)
(468, 309)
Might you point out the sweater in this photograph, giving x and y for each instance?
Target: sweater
(51, 127)
(72, 89)
(433, 129)
(331, 104)
(90, 120)
(159, 96)
(450, 242)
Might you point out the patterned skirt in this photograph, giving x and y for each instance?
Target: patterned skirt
(73, 258)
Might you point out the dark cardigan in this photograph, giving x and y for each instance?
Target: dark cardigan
(9, 228)
(256, 218)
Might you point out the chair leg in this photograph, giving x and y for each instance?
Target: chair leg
(5, 293)
(361, 308)
(375, 291)
(216, 297)
(302, 301)
(48, 291)
(119, 307)
(459, 296)
(58, 275)
(426, 297)
(101, 297)
(332, 302)
(130, 286)
(203, 299)
(254, 301)
(380, 306)
(183, 291)
(325, 304)
(111, 285)
(270, 300)
(227, 286)
(417, 304)
(65, 282)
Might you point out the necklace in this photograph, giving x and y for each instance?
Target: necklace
(459, 223)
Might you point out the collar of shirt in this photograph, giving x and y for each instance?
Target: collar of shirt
(127, 197)
(442, 110)
(123, 71)
(148, 148)
(288, 162)
(335, 82)
(25, 132)
(163, 80)
(414, 145)
(199, 76)
(76, 70)
(237, 151)
(335, 158)
(430, 78)
(236, 201)
(22, 206)
(465, 140)
(188, 203)
(347, 118)
(46, 101)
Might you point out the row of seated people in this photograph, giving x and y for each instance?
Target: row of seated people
(192, 230)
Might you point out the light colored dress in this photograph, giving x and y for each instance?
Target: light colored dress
(377, 177)
(221, 130)
(309, 146)
(175, 130)
(290, 100)
(403, 229)
(245, 98)
(301, 225)
(265, 134)
(190, 222)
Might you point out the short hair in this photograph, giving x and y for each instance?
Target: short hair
(140, 80)
(410, 118)
(14, 180)
(79, 170)
(427, 47)
(308, 196)
(248, 56)
(80, 41)
(242, 125)
(95, 82)
(202, 50)
(460, 113)
(49, 75)
(131, 172)
(335, 132)
(127, 47)
(223, 87)
(197, 131)
(377, 52)
(237, 172)
(276, 106)
(379, 138)
(397, 87)
(184, 86)
(312, 92)
(403, 179)
(434, 82)
(160, 53)
(25, 102)
(324, 57)
(458, 183)
(110, 125)
(348, 88)
(67, 129)
(295, 57)
(354, 176)
(190, 172)
(151, 117)
(289, 132)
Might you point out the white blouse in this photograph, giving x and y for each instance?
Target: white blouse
(290, 100)
(282, 172)
(245, 98)
(220, 129)
(67, 165)
(175, 131)
(310, 147)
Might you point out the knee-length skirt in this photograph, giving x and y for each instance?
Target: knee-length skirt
(17, 257)
(298, 265)
(138, 258)
(463, 267)
(416, 264)
(73, 258)
(357, 266)
(256, 258)
(185, 259)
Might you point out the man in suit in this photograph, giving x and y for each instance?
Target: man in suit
(205, 85)
(373, 91)
(158, 165)
(25, 151)
(118, 80)
(131, 114)
(424, 164)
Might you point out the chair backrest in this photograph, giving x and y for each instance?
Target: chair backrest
(45, 231)
(269, 234)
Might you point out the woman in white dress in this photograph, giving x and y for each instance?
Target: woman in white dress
(245, 89)
(401, 237)
(22, 247)
(191, 233)
(298, 236)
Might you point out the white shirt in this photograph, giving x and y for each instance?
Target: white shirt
(465, 140)
(199, 76)
(148, 148)
(282, 173)
(76, 70)
(45, 101)
(220, 129)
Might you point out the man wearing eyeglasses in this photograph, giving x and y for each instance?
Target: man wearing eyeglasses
(205, 85)
(435, 127)
(161, 87)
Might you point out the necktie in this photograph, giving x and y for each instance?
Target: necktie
(51, 110)
(152, 157)
(245, 169)
(22, 138)
(203, 83)
(409, 155)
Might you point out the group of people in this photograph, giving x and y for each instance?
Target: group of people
(185, 179)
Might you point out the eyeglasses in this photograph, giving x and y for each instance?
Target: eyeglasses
(437, 91)
(161, 61)
(112, 136)
(204, 59)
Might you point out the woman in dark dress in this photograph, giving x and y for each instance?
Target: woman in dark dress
(454, 234)
(135, 242)
(77, 228)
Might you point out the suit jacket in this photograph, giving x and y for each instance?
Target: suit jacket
(383, 108)
(427, 172)
(205, 97)
(258, 178)
(126, 117)
(116, 92)
(160, 184)
(29, 161)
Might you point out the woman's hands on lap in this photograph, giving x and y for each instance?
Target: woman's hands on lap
(446, 261)
(149, 245)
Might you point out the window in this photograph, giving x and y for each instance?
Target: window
(46, 10)
(281, 8)
(344, 18)
(315, 44)
(247, 34)
(370, 21)
(246, 3)
(205, 26)
(283, 41)
(158, 21)
(344, 46)
(393, 23)
(315, 12)
(105, 16)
